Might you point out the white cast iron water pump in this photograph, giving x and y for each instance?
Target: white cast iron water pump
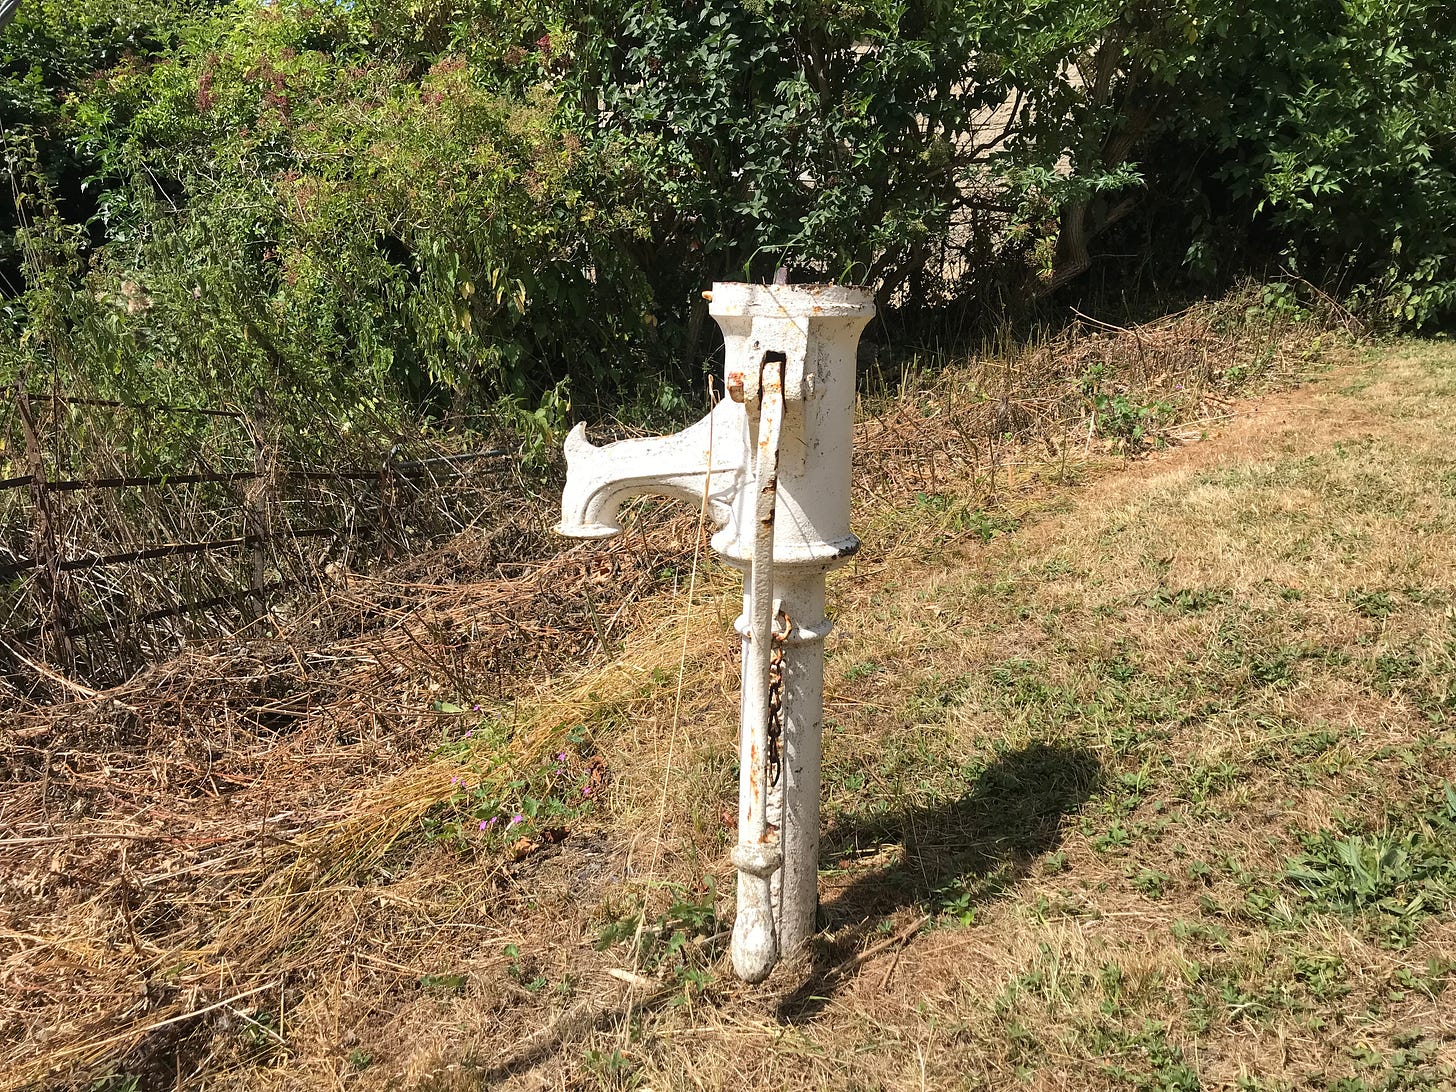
(773, 462)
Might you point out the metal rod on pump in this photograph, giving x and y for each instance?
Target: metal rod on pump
(757, 856)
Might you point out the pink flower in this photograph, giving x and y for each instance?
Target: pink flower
(517, 818)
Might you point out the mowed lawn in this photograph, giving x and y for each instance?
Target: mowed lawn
(1152, 791)
(1175, 768)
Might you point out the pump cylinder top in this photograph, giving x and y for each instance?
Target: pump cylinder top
(814, 329)
(736, 298)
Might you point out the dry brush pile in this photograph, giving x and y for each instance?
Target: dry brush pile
(128, 528)
(185, 836)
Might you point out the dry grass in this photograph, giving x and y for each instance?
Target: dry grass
(200, 832)
(1075, 725)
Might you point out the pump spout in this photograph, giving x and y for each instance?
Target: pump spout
(599, 480)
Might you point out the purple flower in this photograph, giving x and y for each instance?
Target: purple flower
(456, 781)
(586, 790)
(469, 733)
(484, 824)
(517, 818)
(561, 757)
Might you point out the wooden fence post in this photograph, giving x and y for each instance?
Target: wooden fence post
(388, 524)
(45, 549)
(257, 509)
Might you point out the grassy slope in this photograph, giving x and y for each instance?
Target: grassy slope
(1223, 653)
(1146, 791)
(1092, 751)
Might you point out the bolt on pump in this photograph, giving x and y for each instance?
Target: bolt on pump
(773, 463)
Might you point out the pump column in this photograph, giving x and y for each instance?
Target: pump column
(794, 801)
(816, 329)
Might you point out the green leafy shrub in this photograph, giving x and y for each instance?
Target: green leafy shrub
(49, 55)
(281, 208)
(882, 142)
(1321, 130)
(352, 221)
(469, 207)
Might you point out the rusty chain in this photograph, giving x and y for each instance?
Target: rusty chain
(776, 698)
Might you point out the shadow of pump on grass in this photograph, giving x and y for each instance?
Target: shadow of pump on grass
(957, 855)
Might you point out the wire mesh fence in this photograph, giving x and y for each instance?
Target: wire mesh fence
(128, 528)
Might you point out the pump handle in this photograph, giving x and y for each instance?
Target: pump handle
(757, 856)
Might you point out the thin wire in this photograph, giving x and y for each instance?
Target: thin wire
(676, 721)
